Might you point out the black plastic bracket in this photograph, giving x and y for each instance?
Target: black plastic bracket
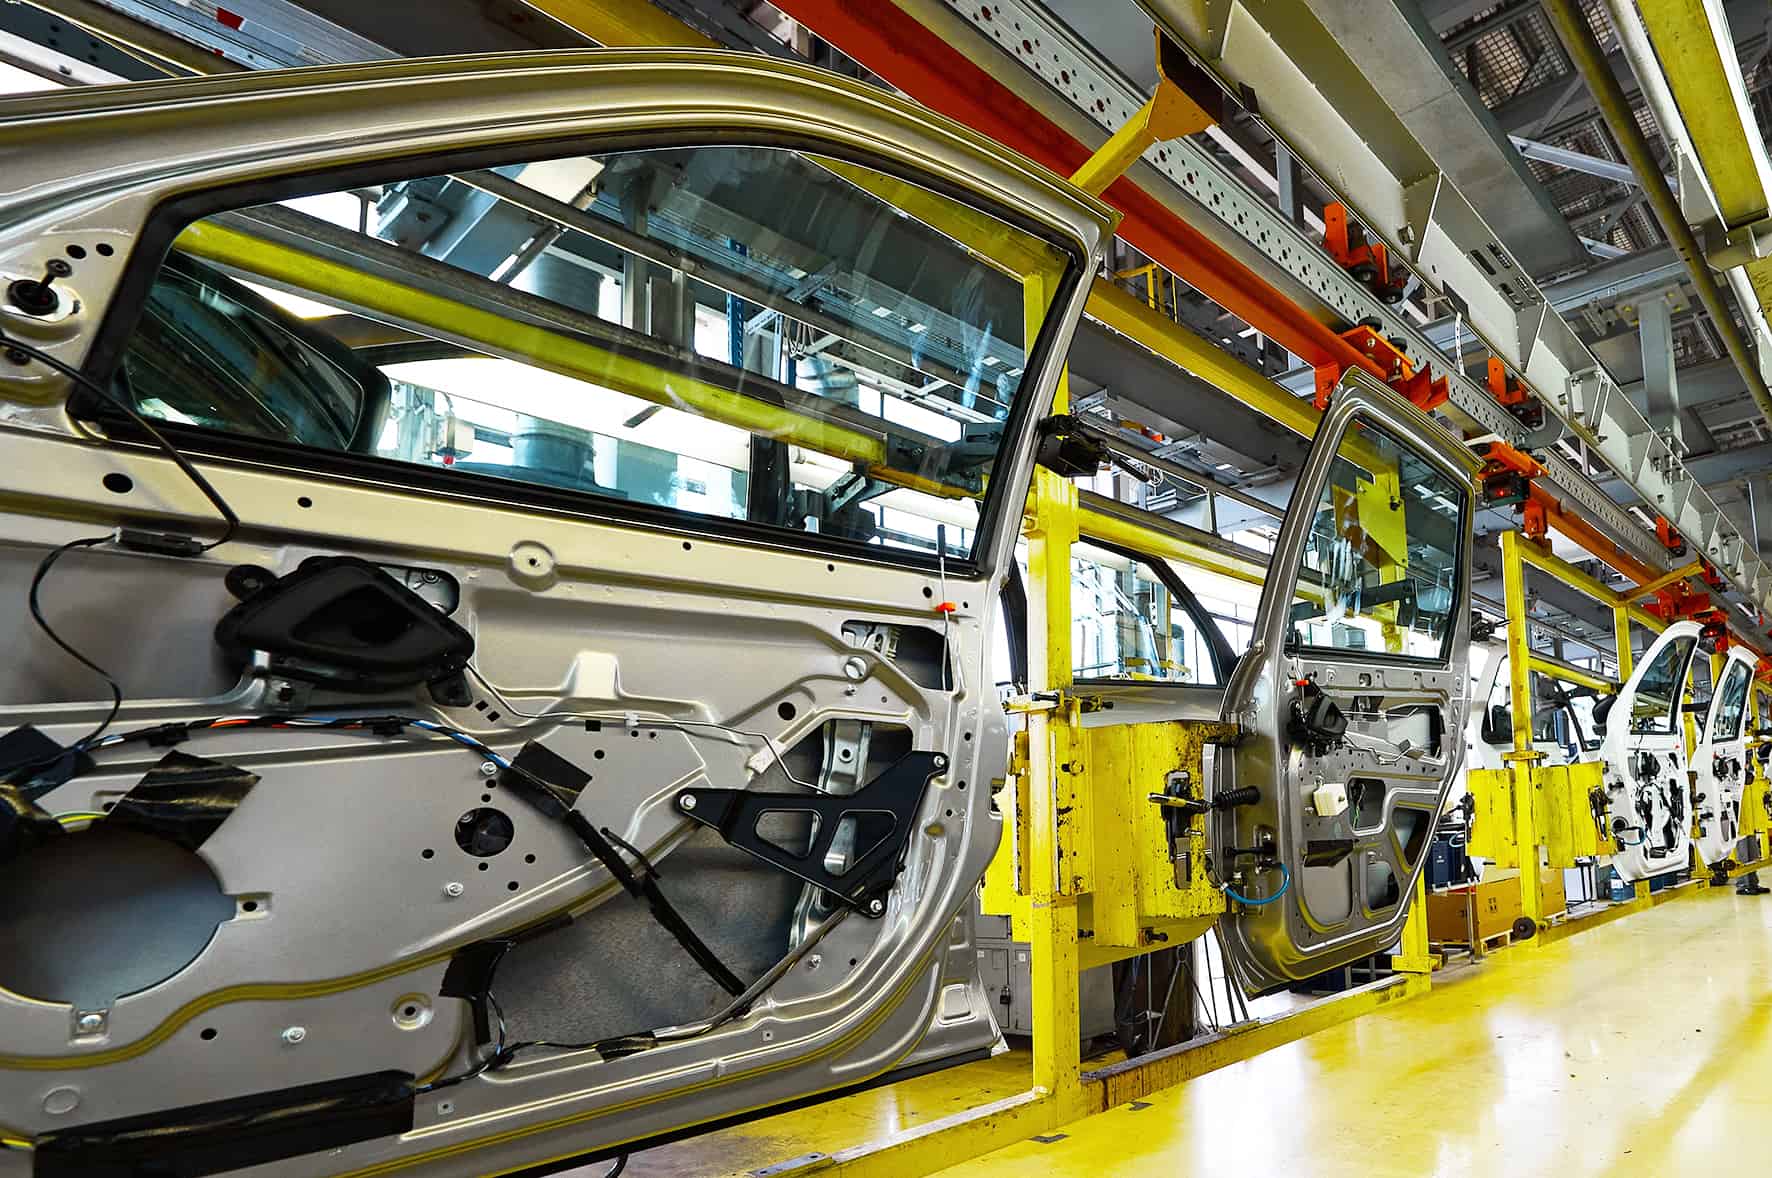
(875, 823)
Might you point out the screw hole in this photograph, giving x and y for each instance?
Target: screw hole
(104, 250)
(598, 754)
(830, 568)
(207, 1033)
(687, 546)
(427, 853)
(249, 906)
(786, 710)
(529, 858)
(962, 785)
(967, 736)
(76, 252)
(513, 885)
(118, 483)
(485, 797)
(304, 501)
(409, 1011)
(928, 592)
(485, 867)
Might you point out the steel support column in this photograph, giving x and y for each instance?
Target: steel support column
(1661, 396)
(1523, 760)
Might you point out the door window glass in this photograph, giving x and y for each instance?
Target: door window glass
(744, 333)
(1380, 566)
(1126, 622)
(1731, 702)
(1659, 690)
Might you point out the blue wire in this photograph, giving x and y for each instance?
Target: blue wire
(1285, 882)
(1641, 839)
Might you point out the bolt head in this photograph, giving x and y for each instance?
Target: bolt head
(453, 890)
(686, 802)
(855, 668)
(876, 906)
(488, 769)
(293, 1035)
(91, 1023)
(59, 268)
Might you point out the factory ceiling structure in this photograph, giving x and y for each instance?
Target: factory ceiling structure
(1486, 94)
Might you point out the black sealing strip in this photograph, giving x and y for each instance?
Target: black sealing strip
(555, 799)
(242, 1131)
(183, 798)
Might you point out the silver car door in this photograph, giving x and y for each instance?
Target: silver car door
(584, 733)
(1353, 695)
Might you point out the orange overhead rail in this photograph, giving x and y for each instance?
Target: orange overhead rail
(911, 57)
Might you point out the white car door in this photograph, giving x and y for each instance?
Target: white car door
(1720, 768)
(1644, 751)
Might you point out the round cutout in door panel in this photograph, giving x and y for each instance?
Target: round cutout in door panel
(484, 832)
(103, 913)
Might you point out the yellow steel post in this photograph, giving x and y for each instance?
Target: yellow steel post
(1523, 760)
(1621, 636)
(1416, 957)
(1051, 529)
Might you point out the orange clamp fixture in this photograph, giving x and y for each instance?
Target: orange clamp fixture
(1368, 261)
(1670, 537)
(1680, 602)
(1514, 396)
(1506, 477)
(1423, 389)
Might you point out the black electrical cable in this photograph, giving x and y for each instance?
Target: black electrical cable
(43, 567)
(14, 349)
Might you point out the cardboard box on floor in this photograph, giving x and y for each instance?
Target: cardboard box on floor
(1496, 901)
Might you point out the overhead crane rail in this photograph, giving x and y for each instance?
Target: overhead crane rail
(900, 41)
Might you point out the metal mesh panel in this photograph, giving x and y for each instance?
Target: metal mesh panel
(1520, 56)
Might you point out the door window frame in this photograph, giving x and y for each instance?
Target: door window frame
(171, 216)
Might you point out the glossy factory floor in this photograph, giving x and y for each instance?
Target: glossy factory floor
(1639, 1047)
(1642, 1047)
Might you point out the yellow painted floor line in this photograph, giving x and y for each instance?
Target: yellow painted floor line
(1641, 1048)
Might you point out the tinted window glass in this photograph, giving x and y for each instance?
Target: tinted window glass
(1731, 702)
(1660, 689)
(212, 352)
